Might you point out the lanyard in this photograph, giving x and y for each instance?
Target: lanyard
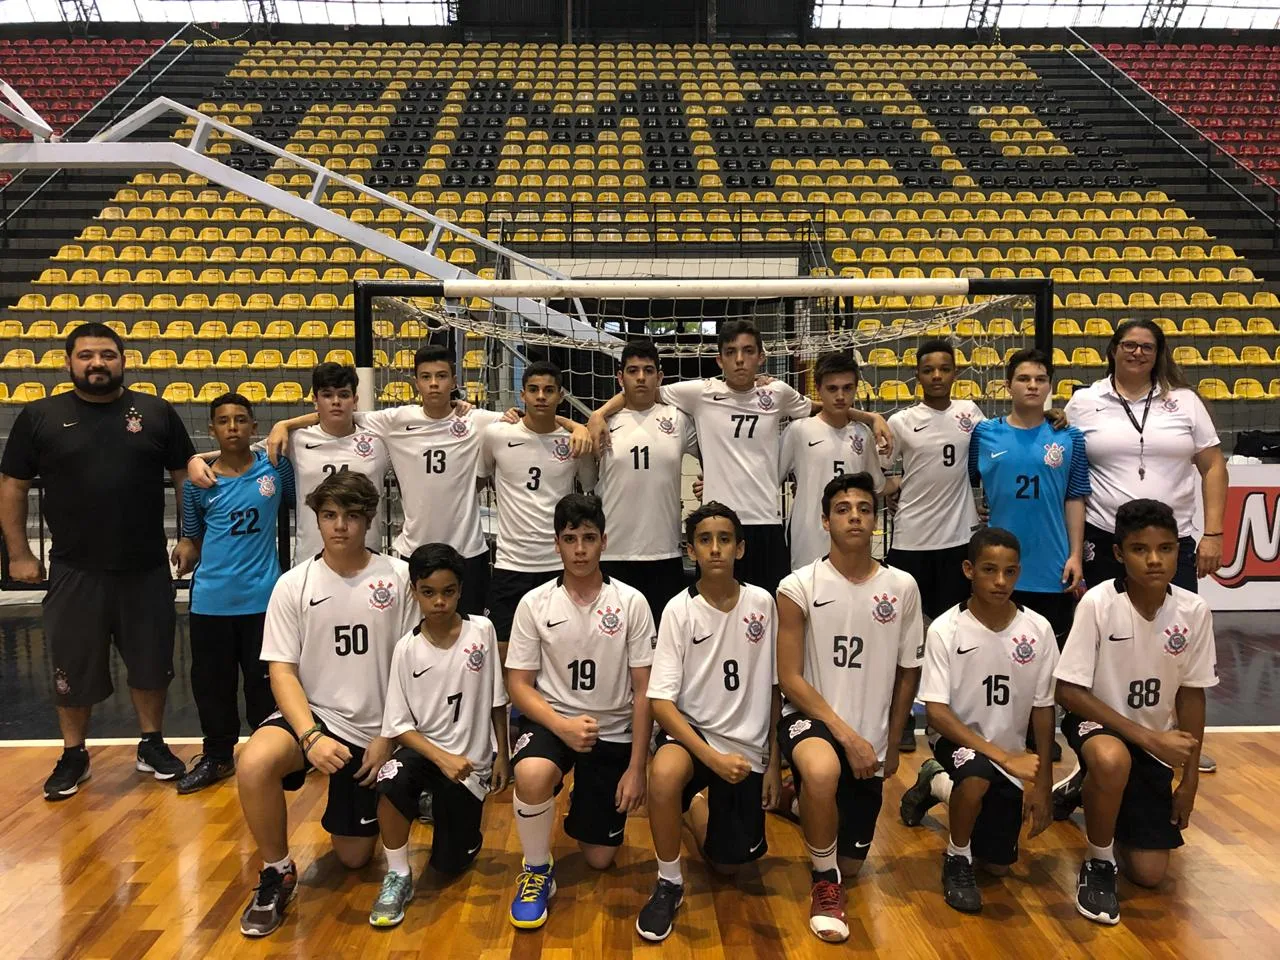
(1140, 427)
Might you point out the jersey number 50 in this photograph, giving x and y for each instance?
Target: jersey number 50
(351, 638)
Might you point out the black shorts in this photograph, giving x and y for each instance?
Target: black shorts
(85, 611)
(1101, 565)
(767, 558)
(857, 801)
(1058, 608)
(938, 573)
(657, 580)
(506, 587)
(456, 811)
(995, 834)
(1147, 804)
(735, 816)
(352, 810)
(475, 584)
(593, 805)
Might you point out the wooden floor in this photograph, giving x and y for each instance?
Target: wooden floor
(128, 869)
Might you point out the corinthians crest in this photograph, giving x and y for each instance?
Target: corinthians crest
(1176, 640)
(885, 609)
(610, 620)
(560, 448)
(363, 445)
(666, 425)
(765, 399)
(133, 420)
(458, 427)
(381, 595)
(755, 627)
(267, 485)
(1024, 650)
(1053, 454)
(965, 422)
(475, 657)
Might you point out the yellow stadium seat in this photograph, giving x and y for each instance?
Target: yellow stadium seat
(18, 359)
(286, 392)
(1196, 327)
(397, 391)
(344, 357)
(1212, 388)
(231, 360)
(1247, 388)
(54, 359)
(179, 392)
(1098, 327)
(161, 360)
(984, 356)
(1065, 388)
(1255, 355)
(301, 359)
(41, 330)
(26, 392)
(266, 360)
(10, 329)
(477, 393)
(313, 330)
(1260, 326)
(255, 391)
(965, 390)
(246, 330)
(144, 330)
(1086, 357)
(402, 360)
(1228, 327)
(1223, 356)
(211, 391)
(178, 330)
(196, 360)
(1066, 327)
(1187, 357)
(212, 330)
(997, 390)
(1273, 389)
(894, 391)
(64, 387)
(882, 357)
(278, 330)
(143, 386)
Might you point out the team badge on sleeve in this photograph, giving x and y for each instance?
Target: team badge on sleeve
(1175, 640)
(458, 427)
(560, 449)
(965, 422)
(363, 446)
(962, 755)
(667, 425)
(267, 486)
(765, 399)
(381, 595)
(1024, 650)
(885, 609)
(610, 620)
(1053, 454)
(133, 420)
(475, 657)
(755, 627)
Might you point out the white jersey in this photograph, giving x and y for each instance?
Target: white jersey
(990, 680)
(1134, 665)
(448, 695)
(935, 508)
(813, 452)
(719, 670)
(435, 463)
(855, 638)
(738, 433)
(316, 455)
(583, 655)
(341, 632)
(639, 482)
(531, 473)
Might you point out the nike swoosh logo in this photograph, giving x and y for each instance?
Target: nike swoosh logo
(918, 429)
(998, 453)
(822, 603)
(814, 443)
(860, 845)
(316, 603)
(616, 833)
(475, 848)
(759, 844)
(617, 428)
(312, 446)
(698, 640)
(718, 399)
(970, 650)
(1098, 409)
(518, 443)
(556, 624)
(527, 816)
(414, 426)
(365, 822)
(71, 424)
(1115, 639)
(218, 497)
(418, 673)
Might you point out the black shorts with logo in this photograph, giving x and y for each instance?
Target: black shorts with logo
(593, 805)
(85, 611)
(657, 580)
(506, 587)
(456, 811)
(351, 810)
(735, 816)
(1146, 807)
(995, 834)
(938, 573)
(857, 800)
(1058, 608)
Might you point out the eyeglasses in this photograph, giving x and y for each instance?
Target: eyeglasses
(1137, 346)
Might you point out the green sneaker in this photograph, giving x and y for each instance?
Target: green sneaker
(388, 909)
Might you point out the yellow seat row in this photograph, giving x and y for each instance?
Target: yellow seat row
(195, 302)
(179, 392)
(220, 330)
(1246, 388)
(1225, 356)
(20, 358)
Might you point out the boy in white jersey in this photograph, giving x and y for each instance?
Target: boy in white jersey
(738, 422)
(446, 710)
(820, 447)
(532, 466)
(332, 441)
(1132, 679)
(988, 671)
(578, 670)
(331, 627)
(640, 476)
(849, 652)
(714, 692)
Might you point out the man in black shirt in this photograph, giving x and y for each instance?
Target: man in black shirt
(101, 451)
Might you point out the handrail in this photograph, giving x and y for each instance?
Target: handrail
(106, 96)
(1272, 218)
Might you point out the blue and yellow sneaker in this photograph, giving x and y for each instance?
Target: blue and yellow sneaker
(534, 887)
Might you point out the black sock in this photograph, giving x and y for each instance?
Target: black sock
(830, 875)
(154, 737)
(74, 752)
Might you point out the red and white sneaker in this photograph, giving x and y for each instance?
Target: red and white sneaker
(826, 912)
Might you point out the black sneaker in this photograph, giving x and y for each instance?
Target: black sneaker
(1096, 892)
(274, 892)
(917, 799)
(959, 885)
(907, 743)
(205, 772)
(1067, 795)
(156, 758)
(71, 770)
(656, 916)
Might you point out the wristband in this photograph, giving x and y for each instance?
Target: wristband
(314, 737)
(1218, 534)
(306, 733)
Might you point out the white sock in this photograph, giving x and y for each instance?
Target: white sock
(1107, 853)
(825, 860)
(398, 860)
(940, 787)
(279, 866)
(533, 823)
(670, 871)
(954, 851)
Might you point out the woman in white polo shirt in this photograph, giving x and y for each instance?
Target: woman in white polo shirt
(1147, 434)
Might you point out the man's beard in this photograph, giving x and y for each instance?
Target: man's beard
(98, 388)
